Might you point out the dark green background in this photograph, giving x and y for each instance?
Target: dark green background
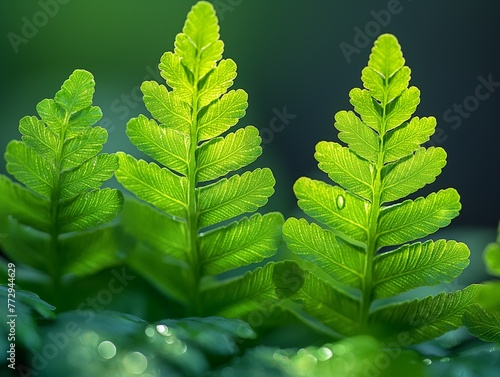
(288, 54)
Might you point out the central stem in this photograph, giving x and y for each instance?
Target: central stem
(371, 249)
(53, 264)
(192, 220)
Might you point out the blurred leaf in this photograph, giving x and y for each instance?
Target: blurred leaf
(26, 307)
(483, 323)
(116, 344)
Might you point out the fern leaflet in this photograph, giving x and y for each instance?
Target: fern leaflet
(483, 318)
(55, 213)
(189, 231)
(382, 164)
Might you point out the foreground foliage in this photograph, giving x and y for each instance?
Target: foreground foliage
(363, 248)
(192, 232)
(483, 318)
(52, 218)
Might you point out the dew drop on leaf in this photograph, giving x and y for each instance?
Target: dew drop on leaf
(340, 202)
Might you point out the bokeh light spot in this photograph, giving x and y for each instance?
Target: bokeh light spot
(135, 362)
(107, 350)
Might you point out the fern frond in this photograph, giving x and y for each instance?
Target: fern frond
(60, 170)
(196, 224)
(382, 163)
(483, 318)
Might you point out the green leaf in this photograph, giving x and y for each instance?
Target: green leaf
(222, 155)
(52, 115)
(382, 163)
(483, 323)
(361, 139)
(28, 305)
(369, 109)
(24, 205)
(414, 219)
(89, 175)
(385, 90)
(243, 296)
(26, 245)
(332, 206)
(216, 335)
(401, 109)
(427, 318)
(158, 230)
(29, 168)
(80, 121)
(173, 71)
(412, 266)
(346, 168)
(488, 296)
(222, 115)
(78, 150)
(405, 177)
(404, 140)
(149, 182)
(247, 241)
(340, 259)
(168, 277)
(217, 82)
(90, 251)
(328, 304)
(76, 92)
(38, 137)
(89, 210)
(58, 161)
(167, 107)
(234, 196)
(194, 224)
(491, 258)
(167, 146)
(386, 57)
(200, 33)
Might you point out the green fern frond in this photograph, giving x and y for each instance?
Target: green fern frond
(483, 318)
(58, 203)
(382, 163)
(194, 231)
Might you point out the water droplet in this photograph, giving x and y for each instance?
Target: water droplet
(135, 362)
(340, 202)
(107, 350)
(150, 332)
(162, 329)
(324, 354)
(427, 361)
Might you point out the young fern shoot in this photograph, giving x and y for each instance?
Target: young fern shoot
(382, 163)
(52, 217)
(185, 238)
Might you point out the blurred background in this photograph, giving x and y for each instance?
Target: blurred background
(297, 60)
